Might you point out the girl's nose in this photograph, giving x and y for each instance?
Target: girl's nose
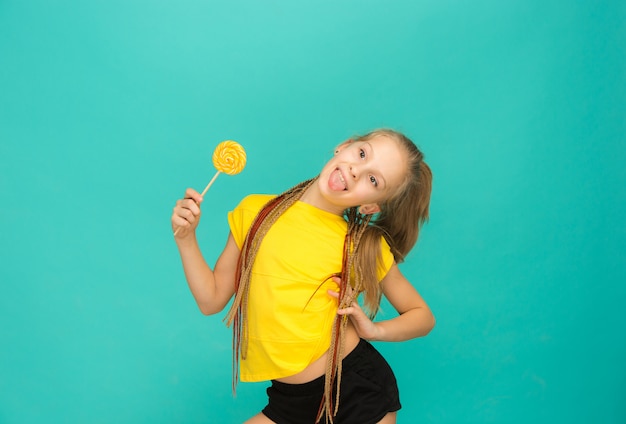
(354, 171)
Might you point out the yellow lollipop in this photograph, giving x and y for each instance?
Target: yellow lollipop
(229, 157)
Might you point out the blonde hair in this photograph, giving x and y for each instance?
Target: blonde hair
(398, 221)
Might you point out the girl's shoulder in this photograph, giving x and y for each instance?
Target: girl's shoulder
(254, 201)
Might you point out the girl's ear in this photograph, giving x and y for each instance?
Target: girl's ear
(369, 208)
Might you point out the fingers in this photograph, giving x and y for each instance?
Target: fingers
(190, 193)
(347, 311)
(187, 206)
(186, 212)
(351, 307)
(185, 217)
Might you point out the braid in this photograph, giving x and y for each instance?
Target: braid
(351, 274)
(238, 313)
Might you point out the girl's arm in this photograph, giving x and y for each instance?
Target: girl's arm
(212, 289)
(415, 318)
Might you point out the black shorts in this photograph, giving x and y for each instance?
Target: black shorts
(368, 392)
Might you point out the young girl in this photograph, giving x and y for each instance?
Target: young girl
(296, 263)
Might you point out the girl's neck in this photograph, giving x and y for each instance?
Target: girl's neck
(313, 197)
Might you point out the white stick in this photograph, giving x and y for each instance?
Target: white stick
(210, 183)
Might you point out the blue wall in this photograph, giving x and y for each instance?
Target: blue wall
(110, 109)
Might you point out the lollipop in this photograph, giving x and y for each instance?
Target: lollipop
(229, 157)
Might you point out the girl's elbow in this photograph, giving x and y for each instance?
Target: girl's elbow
(206, 310)
(428, 323)
(431, 324)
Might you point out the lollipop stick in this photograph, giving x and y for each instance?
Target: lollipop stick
(210, 183)
(204, 192)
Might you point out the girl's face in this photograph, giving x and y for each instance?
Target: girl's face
(363, 173)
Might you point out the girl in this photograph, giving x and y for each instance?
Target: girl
(296, 263)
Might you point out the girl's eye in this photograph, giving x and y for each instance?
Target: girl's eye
(373, 181)
(362, 153)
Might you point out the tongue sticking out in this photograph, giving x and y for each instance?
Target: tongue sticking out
(335, 182)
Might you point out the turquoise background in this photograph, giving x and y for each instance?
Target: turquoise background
(110, 109)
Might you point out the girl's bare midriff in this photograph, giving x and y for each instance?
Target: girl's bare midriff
(318, 368)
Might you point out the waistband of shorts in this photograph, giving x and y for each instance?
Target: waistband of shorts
(314, 386)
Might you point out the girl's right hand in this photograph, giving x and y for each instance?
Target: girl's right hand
(186, 214)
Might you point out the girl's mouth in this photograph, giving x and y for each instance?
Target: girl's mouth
(336, 182)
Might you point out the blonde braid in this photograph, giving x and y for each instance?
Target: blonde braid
(351, 274)
(238, 313)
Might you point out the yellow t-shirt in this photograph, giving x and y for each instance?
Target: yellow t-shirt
(290, 314)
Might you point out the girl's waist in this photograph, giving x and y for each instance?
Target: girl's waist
(318, 367)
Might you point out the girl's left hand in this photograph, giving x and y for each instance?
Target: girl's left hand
(364, 326)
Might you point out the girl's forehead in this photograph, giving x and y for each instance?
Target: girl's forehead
(384, 140)
(390, 158)
(386, 147)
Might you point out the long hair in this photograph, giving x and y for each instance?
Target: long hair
(398, 222)
(400, 218)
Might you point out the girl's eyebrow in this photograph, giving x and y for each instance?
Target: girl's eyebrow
(380, 175)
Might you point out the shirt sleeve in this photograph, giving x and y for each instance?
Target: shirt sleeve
(240, 219)
(235, 222)
(386, 260)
